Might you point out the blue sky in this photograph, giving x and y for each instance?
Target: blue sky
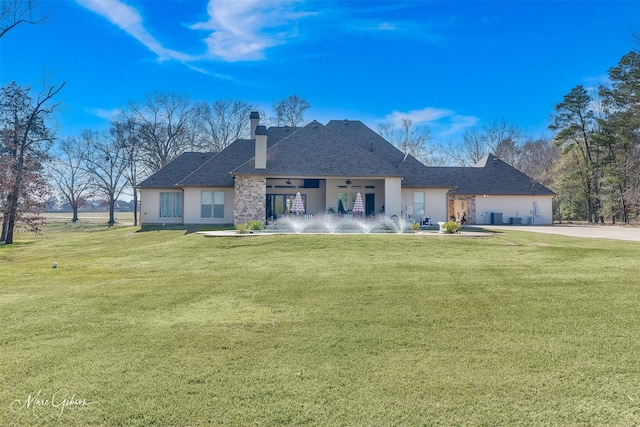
(445, 64)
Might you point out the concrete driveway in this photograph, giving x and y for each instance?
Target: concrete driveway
(593, 231)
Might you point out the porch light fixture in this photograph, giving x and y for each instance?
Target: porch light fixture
(348, 181)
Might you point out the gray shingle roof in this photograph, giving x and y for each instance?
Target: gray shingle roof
(344, 148)
(215, 172)
(489, 176)
(361, 135)
(493, 176)
(317, 151)
(178, 168)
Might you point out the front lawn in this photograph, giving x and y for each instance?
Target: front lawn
(170, 328)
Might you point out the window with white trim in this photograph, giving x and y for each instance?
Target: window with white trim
(418, 203)
(212, 204)
(170, 204)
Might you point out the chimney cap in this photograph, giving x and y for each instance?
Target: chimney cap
(254, 115)
(261, 130)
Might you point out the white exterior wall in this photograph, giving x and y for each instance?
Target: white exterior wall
(393, 196)
(150, 206)
(512, 206)
(192, 206)
(435, 200)
(315, 198)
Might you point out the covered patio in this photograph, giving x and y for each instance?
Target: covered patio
(322, 195)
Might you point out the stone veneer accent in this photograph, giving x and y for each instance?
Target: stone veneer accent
(471, 211)
(471, 207)
(250, 199)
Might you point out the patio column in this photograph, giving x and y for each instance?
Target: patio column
(392, 196)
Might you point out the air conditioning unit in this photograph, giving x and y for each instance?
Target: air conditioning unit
(496, 218)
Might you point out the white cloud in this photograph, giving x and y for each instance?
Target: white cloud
(243, 30)
(418, 117)
(129, 20)
(443, 122)
(458, 123)
(104, 113)
(398, 29)
(238, 30)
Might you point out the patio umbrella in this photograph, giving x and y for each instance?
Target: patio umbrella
(297, 206)
(358, 207)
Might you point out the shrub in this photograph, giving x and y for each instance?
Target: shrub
(256, 225)
(415, 226)
(451, 227)
(242, 228)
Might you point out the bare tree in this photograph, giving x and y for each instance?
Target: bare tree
(290, 111)
(126, 137)
(504, 140)
(220, 123)
(26, 140)
(472, 150)
(71, 178)
(164, 122)
(107, 162)
(16, 12)
(500, 138)
(538, 160)
(410, 139)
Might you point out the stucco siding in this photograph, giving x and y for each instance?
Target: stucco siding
(435, 203)
(393, 196)
(193, 206)
(515, 207)
(150, 207)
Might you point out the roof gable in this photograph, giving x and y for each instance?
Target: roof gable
(215, 172)
(494, 176)
(315, 150)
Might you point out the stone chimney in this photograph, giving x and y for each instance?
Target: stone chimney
(254, 118)
(261, 147)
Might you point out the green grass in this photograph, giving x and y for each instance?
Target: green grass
(169, 328)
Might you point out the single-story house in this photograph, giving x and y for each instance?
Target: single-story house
(258, 178)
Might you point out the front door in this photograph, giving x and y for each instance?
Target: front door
(369, 204)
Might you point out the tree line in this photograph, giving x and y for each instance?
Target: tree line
(598, 133)
(142, 138)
